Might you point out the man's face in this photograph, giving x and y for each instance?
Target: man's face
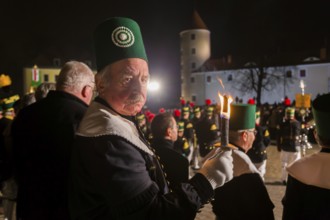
(174, 133)
(126, 90)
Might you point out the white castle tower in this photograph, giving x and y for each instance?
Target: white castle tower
(195, 49)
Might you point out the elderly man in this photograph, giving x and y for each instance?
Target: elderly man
(307, 193)
(115, 174)
(245, 196)
(43, 134)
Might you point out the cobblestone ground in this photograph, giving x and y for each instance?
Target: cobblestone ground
(272, 179)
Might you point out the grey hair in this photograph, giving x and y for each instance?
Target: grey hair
(43, 89)
(104, 75)
(74, 76)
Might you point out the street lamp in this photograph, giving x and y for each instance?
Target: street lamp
(153, 86)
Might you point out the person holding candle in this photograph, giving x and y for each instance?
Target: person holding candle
(307, 193)
(245, 196)
(115, 173)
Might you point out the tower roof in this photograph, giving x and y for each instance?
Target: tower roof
(197, 21)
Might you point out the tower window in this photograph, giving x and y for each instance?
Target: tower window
(192, 36)
(192, 79)
(193, 65)
(193, 50)
(208, 79)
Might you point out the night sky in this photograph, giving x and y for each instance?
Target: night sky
(30, 29)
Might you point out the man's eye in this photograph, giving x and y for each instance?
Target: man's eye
(126, 80)
(145, 80)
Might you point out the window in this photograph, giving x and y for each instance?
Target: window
(192, 79)
(46, 78)
(288, 74)
(192, 37)
(193, 98)
(302, 73)
(193, 65)
(193, 50)
(56, 77)
(230, 77)
(208, 79)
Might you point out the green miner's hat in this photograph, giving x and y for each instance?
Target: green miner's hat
(116, 39)
(289, 112)
(8, 103)
(180, 126)
(185, 109)
(258, 114)
(197, 109)
(140, 117)
(321, 113)
(209, 110)
(242, 117)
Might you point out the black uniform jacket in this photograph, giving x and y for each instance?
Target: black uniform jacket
(289, 132)
(43, 135)
(175, 165)
(307, 195)
(115, 174)
(243, 197)
(258, 152)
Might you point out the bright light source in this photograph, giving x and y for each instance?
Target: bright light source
(153, 86)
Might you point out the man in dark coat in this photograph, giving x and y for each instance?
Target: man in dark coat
(43, 135)
(288, 142)
(245, 196)
(115, 174)
(257, 153)
(307, 193)
(165, 132)
(207, 132)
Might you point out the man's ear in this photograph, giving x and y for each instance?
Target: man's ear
(86, 90)
(169, 132)
(244, 135)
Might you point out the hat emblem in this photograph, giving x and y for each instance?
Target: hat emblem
(123, 37)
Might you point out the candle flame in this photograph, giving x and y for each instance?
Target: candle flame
(220, 82)
(302, 84)
(225, 102)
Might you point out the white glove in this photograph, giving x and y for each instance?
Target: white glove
(242, 163)
(218, 168)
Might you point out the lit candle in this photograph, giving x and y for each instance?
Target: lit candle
(302, 86)
(224, 115)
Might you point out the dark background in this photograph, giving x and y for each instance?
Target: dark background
(37, 31)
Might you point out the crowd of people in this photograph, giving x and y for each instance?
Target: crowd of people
(88, 148)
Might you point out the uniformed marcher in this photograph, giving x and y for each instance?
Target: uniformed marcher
(115, 174)
(144, 125)
(307, 193)
(181, 145)
(188, 129)
(288, 141)
(258, 153)
(207, 132)
(245, 196)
